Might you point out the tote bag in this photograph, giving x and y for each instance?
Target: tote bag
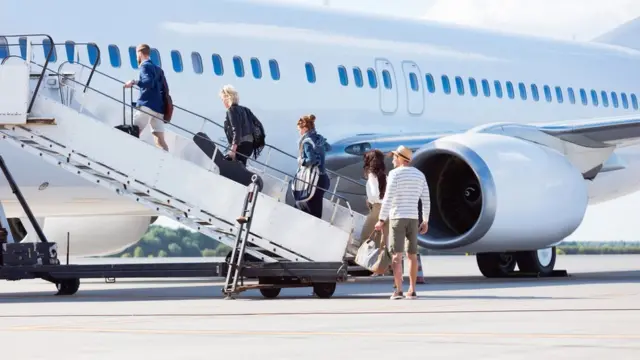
(376, 260)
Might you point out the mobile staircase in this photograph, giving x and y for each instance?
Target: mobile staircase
(270, 239)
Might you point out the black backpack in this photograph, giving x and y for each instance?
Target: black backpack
(258, 133)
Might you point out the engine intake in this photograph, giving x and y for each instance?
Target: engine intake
(497, 193)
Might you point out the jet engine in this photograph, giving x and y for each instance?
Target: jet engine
(494, 193)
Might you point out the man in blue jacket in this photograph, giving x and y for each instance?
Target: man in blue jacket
(151, 100)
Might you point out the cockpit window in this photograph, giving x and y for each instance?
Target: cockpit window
(358, 149)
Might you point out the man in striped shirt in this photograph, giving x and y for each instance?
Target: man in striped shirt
(405, 186)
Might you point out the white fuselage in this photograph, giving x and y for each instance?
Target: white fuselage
(286, 38)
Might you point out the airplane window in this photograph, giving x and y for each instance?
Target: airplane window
(431, 84)
(256, 69)
(373, 79)
(634, 101)
(473, 87)
(218, 69)
(625, 100)
(523, 91)
(70, 47)
(176, 61)
(510, 91)
(46, 46)
(605, 99)
(534, 92)
(498, 86)
(358, 149)
(238, 66)
(133, 57)
(583, 97)
(559, 95)
(357, 77)
(114, 56)
(572, 95)
(413, 80)
(446, 85)
(275, 69)
(547, 93)
(594, 97)
(386, 79)
(614, 99)
(154, 56)
(460, 85)
(311, 72)
(196, 62)
(92, 49)
(342, 74)
(486, 88)
(4, 47)
(22, 42)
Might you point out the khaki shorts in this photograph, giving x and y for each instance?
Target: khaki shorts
(141, 119)
(404, 235)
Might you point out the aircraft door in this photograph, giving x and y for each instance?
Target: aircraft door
(387, 86)
(414, 86)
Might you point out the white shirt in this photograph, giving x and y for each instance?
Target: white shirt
(373, 189)
(405, 186)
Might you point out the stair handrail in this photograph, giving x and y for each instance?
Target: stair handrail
(348, 179)
(226, 148)
(44, 68)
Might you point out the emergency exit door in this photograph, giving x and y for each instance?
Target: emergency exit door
(387, 86)
(414, 87)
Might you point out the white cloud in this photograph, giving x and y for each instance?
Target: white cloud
(584, 19)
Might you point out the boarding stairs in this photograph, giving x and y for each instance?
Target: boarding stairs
(195, 196)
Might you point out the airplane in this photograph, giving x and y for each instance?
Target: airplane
(516, 134)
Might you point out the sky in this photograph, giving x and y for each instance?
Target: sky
(580, 20)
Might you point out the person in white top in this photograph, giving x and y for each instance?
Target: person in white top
(375, 172)
(406, 185)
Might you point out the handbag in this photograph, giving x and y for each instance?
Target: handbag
(376, 260)
(305, 182)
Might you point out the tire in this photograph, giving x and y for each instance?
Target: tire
(67, 286)
(324, 290)
(495, 265)
(541, 262)
(270, 293)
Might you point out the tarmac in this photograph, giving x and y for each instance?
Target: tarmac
(593, 314)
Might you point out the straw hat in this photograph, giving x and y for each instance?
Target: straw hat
(403, 152)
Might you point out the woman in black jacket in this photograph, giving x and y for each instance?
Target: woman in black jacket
(238, 125)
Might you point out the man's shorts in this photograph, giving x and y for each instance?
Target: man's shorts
(403, 234)
(141, 119)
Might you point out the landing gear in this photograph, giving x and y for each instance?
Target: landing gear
(538, 263)
(493, 265)
(67, 286)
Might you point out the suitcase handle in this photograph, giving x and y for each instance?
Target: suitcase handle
(124, 105)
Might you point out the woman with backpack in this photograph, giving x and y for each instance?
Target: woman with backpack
(243, 130)
(311, 189)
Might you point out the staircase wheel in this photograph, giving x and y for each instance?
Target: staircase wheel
(270, 293)
(324, 290)
(67, 286)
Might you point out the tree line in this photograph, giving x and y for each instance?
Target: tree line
(160, 241)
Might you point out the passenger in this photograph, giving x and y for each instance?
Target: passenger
(151, 100)
(375, 172)
(313, 147)
(406, 185)
(238, 125)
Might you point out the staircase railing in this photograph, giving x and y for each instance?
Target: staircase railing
(206, 119)
(219, 145)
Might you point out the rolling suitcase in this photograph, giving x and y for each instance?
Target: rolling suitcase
(233, 170)
(130, 129)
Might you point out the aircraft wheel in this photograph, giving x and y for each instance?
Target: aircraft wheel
(493, 265)
(540, 261)
(324, 290)
(67, 286)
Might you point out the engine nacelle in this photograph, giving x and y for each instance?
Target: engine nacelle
(493, 193)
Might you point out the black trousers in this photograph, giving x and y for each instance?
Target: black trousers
(314, 205)
(246, 149)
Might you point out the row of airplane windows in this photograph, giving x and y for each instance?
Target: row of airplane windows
(238, 65)
(523, 90)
